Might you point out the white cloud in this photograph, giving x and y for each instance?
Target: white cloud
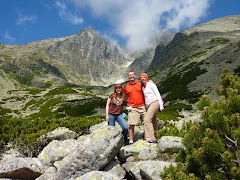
(138, 20)
(23, 19)
(67, 15)
(45, 4)
(8, 37)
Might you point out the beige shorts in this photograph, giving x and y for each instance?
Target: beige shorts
(135, 115)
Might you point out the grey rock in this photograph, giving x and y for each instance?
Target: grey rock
(115, 168)
(102, 125)
(138, 133)
(62, 133)
(9, 153)
(94, 153)
(138, 130)
(49, 174)
(170, 143)
(57, 150)
(21, 168)
(98, 175)
(140, 150)
(146, 169)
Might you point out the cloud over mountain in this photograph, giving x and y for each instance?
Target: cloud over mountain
(138, 20)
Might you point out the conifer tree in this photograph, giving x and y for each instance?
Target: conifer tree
(212, 146)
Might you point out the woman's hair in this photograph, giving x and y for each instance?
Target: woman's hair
(115, 93)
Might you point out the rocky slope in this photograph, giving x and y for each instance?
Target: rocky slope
(143, 59)
(84, 58)
(191, 64)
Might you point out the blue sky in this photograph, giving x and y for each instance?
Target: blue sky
(131, 23)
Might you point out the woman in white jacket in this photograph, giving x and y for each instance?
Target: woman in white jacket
(154, 103)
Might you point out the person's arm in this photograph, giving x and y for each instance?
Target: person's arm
(107, 109)
(156, 91)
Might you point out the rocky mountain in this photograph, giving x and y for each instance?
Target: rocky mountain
(192, 62)
(84, 58)
(88, 55)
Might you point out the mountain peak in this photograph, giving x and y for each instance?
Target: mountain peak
(87, 29)
(223, 24)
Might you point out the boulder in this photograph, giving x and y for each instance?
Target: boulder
(169, 144)
(62, 133)
(49, 174)
(115, 168)
(57, 150)
(21, 168)
(140, 150)
(146, 169)
(101, 125)
(98, 175)
(138, 133)
(92, 154)
(138, 130)
(10, 153)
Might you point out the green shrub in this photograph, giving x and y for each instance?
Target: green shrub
(171, 112)
(61, 90)
(24, 133)
(212, 147)
(82, 108)
(176, 84)
(220, 40)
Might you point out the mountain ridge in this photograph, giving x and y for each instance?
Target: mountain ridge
(201, 52)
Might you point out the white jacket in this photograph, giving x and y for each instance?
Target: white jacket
(152, 94)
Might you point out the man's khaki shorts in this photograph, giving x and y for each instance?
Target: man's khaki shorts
(135, 115)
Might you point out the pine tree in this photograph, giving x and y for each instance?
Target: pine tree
(212, 147)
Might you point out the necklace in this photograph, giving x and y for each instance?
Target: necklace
(117, 101)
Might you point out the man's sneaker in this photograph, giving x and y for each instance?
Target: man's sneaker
(152, 142)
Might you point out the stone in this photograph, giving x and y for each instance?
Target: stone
(98, 175)
(140, 150)
(62, 133)
(49, 174)
(146, 169)
(170, 143)
(56, 151)
(21, 168)
(115, 168)
(93, 154)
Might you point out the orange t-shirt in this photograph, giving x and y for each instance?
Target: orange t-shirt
(135, 97)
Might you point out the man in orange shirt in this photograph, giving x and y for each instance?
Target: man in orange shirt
(135, 103)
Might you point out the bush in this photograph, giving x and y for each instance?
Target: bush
(212, 147)
(24, 133)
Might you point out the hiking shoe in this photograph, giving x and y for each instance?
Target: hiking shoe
(130, 143)
(155, 142)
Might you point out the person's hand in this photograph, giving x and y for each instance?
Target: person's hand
(161, 110)
(107, 118)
